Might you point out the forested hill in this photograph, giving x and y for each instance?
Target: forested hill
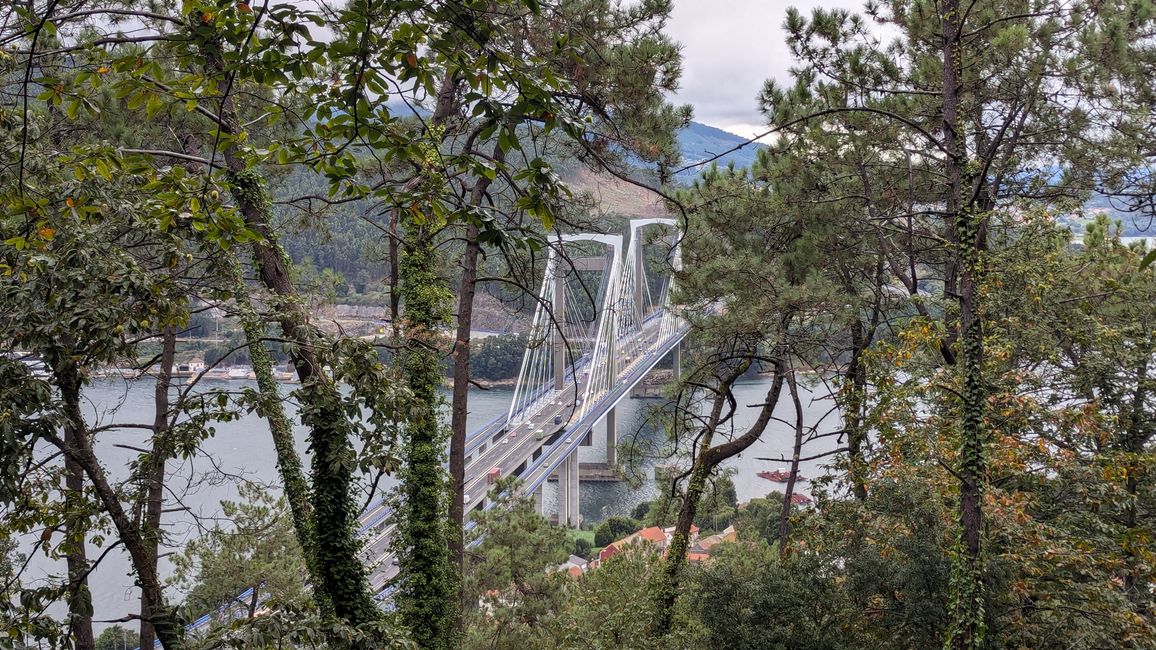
(353, 251)
(700, 142)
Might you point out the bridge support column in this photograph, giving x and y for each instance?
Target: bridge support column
(568, 492)
(611, 438)
(539, 498)
(559, 308)
(677, 361)
(639, 276)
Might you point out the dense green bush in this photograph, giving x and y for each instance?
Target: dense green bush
(615, 528)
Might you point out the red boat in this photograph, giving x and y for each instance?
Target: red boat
(779, 476)
(800, 500)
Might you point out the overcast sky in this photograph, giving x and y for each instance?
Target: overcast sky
(730, 47)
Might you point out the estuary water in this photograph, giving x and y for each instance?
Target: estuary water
(242, 451)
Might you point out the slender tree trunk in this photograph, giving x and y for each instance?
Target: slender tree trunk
(164, 619)
(76, 528)
(1135, 437)
(707, 458)
(968, 597)
(155, 473)
(460, 401)
(253, 601)
(856, 381)
(394, 291)
(459, 409)
(429, 601)
(789, 492)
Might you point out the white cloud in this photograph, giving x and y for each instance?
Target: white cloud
(730, 48)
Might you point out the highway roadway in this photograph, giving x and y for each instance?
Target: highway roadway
(509, 450)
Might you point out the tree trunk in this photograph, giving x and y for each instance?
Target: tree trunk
(856, 378)
(431, 584)
(1135, 437)
(461, 387)
(968, 598)
(252, 601)
(76, 527)
(789, 492)
(289, 465)
(336, 546)
(271, 408)
(394, 291)
(155, 474)
(429, 601)
(706, 460)
(460, 400)
(164, 619)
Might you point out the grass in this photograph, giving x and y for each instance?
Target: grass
(576, 534)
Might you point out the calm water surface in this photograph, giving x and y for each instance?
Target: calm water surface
(242, 451)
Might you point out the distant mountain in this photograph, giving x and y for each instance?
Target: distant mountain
(697, 142)
(700, 142)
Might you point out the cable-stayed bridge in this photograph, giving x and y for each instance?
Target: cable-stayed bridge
(602, 323)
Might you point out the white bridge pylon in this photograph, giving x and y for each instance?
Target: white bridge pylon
(586, 349)
(584, 333)
(568, 332)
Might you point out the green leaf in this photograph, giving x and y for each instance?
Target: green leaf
(18, 242)
(153, 106)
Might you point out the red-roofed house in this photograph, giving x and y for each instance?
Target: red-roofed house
(609, 551)
(655, 535)
(658, 537)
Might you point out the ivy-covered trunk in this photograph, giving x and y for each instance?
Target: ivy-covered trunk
(342, 576)
(968, 598)
(428, 601)
(271, 408)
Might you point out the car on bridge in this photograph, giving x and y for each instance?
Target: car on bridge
(557, 419)
(540, 434)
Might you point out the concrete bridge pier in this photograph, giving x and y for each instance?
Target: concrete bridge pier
(568, 491)
(539, 498)
(676, 361)
(611, 438)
